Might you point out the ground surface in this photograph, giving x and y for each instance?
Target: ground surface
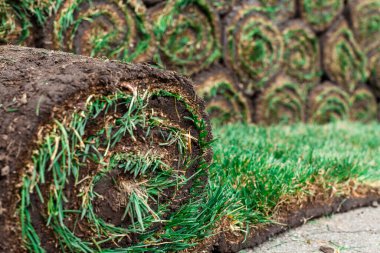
(355, 231)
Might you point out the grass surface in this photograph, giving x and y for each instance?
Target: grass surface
(265, 167)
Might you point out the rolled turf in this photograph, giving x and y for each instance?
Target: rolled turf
(363, 105)
(302, 53)
(188, 35)
(320, 14)
(328, 103)
(365, 20)
(343, 60)
(253, 45)
(99, 156)
(101, 28)
(220, 90)
(282, 102)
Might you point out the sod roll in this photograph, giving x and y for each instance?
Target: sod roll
(219, 89)
(320, 14)
(98, 156)
(302, 53)
(15, 27)
(282, 10)
(253, 45)
(365, 20)
(103, 28)
(188, 35)
(282, 102)
(328, 103)
(343, 60)
(363, 105)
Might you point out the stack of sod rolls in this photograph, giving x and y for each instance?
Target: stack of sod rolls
(99, 156)
(256, 43)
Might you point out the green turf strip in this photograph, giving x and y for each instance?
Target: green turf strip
(262, 166)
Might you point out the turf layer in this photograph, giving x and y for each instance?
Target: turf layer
(275, 170)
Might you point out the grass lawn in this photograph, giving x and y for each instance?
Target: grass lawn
(263, 168)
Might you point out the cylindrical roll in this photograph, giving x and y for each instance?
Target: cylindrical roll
(103, 28)
(320, 14)
(365, 19)
(343, 60)
(253, 45)
(188, 34)
(328, 103)
(15, 27)
(302, 54)
(363, 105)
(280, 103)
(224, 102)
(97, 156)
(282, 10)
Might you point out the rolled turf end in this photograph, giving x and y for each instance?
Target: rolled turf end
(112, 29)
(98, 155)
(328, 103)
(365, 21)
(320, 14)
(283, 102)
(224, 101)
(302, 53)
(363, 105)
(188, 35)
(343, 60)
(253, 45)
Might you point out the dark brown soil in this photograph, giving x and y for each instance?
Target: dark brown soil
(37, 85)
(226, 242)
(151, 3)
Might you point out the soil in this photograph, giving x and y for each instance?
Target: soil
(38, 85)
(226, 242)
